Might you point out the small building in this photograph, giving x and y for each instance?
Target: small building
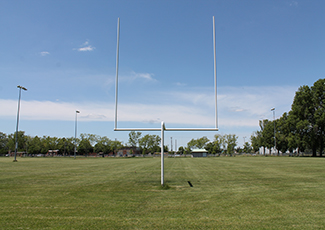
(128, 151)
(52, 153)
(199, 153)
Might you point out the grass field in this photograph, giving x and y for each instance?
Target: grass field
(125, 193)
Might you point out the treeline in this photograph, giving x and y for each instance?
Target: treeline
(91, 143)
(222, 144)
(301, 129)
(87, 143)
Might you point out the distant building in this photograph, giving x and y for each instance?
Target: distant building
(128, 151)
(52, 153)
(199, 153)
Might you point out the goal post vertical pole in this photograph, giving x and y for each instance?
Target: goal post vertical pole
(162, 152)
(215, 70)
(117, 59)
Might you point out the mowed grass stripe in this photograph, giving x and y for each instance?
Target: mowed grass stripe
(119, 193)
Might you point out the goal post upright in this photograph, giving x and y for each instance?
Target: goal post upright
(215, 70)
(163, 128)
(117, 60)
(162, 138)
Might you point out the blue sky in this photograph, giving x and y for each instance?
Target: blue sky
(64, 53)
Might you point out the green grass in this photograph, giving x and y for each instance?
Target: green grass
(227, 193)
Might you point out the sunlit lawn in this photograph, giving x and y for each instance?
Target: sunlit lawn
(125, 193)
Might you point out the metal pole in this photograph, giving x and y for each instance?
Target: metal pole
(162, 152)
(273, 109)
(75, 135)
(18, 111)
(117, 59)
(215, 70)
(274, 130)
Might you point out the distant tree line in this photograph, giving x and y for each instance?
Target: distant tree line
(87, 143)
(222, 144)
(301, 129)
(91, 143)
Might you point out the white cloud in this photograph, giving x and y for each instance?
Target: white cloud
(135, 76)
(47, 110)
(237, 107)
(44, 53)
(146, 76)
(85, 47)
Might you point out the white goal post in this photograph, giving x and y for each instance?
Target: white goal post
(163, 127)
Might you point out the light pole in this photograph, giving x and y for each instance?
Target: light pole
(273, 109)
(75, 135)
(16, 145)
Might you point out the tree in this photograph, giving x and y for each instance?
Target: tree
(35, 145)
(302, 112)
(181, 150)
(116, 145)
(149, 143)
(93, 138)
(318, 99)
(3, 143)
(103, 145)
(199, 143)
(187, 150)
(65, 146)
(302, 128)
(256, 140)
(134, 138)
(21, 141)
(214, 147)
(49, 143)
(231, 141)
(85, 147)
(285, 139)
(268, 135)
(247, 148)
(239, 149)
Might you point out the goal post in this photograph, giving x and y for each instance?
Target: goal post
(163, 128)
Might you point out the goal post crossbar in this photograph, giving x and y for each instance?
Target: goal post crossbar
(166, 129)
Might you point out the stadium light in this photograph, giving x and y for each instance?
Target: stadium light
(16, 144)
(75, 134)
